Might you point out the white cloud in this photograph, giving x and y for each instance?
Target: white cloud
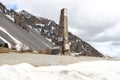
(108, 48)
(91, 20)
(111, 34)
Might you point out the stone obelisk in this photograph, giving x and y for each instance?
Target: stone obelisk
(63, 32)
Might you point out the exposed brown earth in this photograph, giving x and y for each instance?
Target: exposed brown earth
(43, 60)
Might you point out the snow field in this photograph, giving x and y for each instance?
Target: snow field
(89, 70)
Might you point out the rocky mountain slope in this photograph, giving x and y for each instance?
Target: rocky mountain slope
(49, 29)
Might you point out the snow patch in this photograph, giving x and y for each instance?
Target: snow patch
(9, 44)
(49, 22)
(19, 45)
(11, 18)
(39, 17)
(56, 47)
(92, 70)
(53, 28)
(75, 54)
(36, 29)
(49, 39)
(30, 26)
(40, 24)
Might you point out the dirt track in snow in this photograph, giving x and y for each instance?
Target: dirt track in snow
(42, 60)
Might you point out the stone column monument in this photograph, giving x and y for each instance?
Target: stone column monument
(63, 32)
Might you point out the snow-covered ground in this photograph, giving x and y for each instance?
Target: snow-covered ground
(89, 70)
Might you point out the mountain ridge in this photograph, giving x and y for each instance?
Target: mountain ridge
(49, 29)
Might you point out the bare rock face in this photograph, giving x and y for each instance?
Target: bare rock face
(50, 30)
(2, 8)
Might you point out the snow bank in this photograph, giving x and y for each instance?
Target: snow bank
(93, 70)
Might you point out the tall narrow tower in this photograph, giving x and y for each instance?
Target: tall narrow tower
(63, 32)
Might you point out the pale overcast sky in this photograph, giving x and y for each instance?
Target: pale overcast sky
(94, 21)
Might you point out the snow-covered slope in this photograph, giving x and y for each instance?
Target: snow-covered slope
(92, 70)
